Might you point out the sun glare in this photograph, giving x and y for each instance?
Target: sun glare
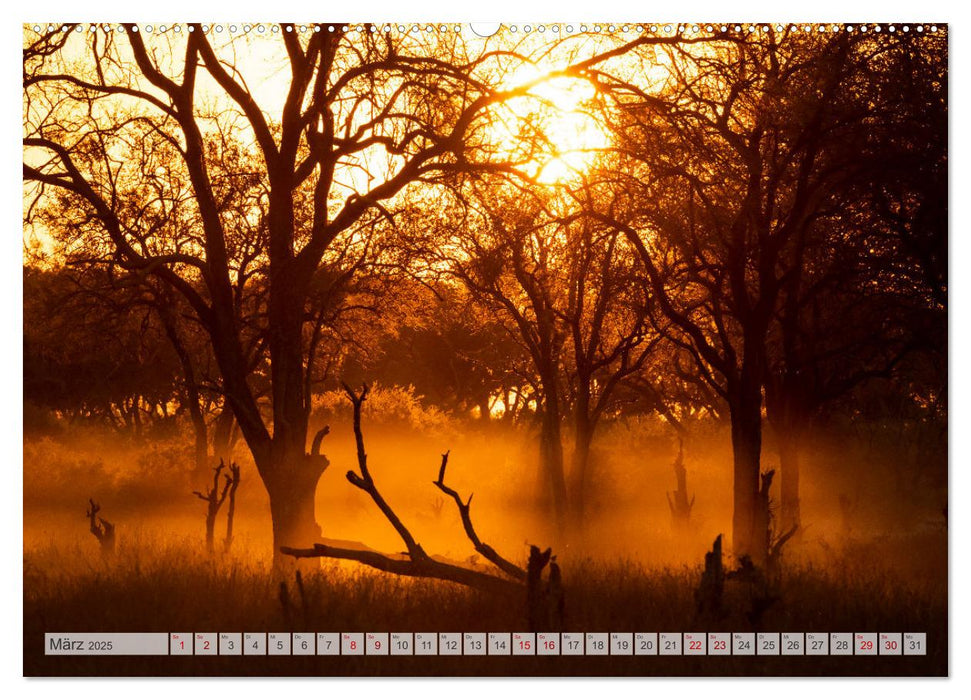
(553, 127)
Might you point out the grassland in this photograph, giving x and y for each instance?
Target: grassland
(880, 565)
(155, 583)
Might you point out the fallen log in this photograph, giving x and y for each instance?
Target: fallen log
(508, 578)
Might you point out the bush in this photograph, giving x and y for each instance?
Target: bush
(101, 464)
(386, 407)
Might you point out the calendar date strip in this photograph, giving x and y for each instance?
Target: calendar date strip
(486, 644)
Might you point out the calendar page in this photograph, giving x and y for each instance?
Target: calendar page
(516, 349)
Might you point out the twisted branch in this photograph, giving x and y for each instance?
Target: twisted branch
(414, 561)
(481, 547)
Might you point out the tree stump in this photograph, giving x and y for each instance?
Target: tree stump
(544, 600)
(708, 595)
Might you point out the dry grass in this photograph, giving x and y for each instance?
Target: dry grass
(157, 583)
(883, 569)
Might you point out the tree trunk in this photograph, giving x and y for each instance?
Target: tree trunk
(551, 460)
(746, 417)
(191, 398)
(201, 443)
(231, 513)
(222, 435)
(580, 470)
(787, 414)
(485, 414)
(289, 475)
(291, 482)
(292, 486)
(210, 529)
(790, 441)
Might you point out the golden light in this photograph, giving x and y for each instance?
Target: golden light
(552, 128)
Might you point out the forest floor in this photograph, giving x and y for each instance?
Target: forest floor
(167, 584)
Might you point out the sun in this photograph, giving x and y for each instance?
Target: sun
(552, 129)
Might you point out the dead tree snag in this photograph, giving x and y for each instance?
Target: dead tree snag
(414, 561)
(231, 509)
(760, 580)
(678, 501)
(772, 543)
(708, 596)
(544, 601)
(102, 530)
(318, 461)
(215, 498)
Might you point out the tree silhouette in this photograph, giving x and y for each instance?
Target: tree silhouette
(724, 173)
(760, 234)
(357, 120)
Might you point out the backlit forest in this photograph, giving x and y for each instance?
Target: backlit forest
(293, 294)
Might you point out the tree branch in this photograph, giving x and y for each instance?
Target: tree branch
(484, 549)
(423, 568)
(365, 482)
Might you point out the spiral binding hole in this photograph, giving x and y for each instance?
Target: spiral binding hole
(689, 29)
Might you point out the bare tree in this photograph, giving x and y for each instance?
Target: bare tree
(361, 118)
(215, 496)
(866, 287)
(570, 295)
(722, 173)
(231, 508)
(607, 318)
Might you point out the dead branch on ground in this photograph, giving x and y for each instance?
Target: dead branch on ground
(414, 561)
